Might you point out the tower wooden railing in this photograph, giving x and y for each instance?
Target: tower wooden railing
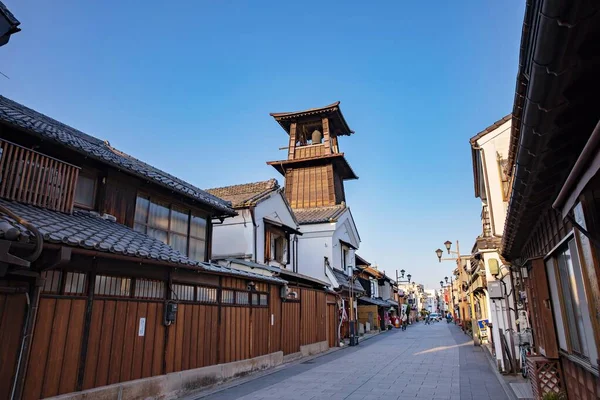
(34, 178)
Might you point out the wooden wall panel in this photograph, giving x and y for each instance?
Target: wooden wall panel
(291, 327)
(235, 334)
(275, 330)
(119, 200)
(116, 352)
(192, 338)
(311, 186)
(260, 331)
(313, 316)
(322, 324)
(13, 309)
(55, 348)
(543, 323)
(331, 325)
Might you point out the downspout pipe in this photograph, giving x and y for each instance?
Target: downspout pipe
(32, 307)
(255, 231)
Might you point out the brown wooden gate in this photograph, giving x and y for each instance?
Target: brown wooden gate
(13, 309)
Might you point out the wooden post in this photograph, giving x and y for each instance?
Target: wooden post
(87, 323)
(326, 136)
(292, 146)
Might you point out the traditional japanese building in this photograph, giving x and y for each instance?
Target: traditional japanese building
(315, 171)
(552, 230)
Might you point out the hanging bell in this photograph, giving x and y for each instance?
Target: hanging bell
(317, 136)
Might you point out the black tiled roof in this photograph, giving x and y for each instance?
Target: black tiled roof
(32, 121)
(9, 16)
(88, 230)
(344, 281)
(318, 215)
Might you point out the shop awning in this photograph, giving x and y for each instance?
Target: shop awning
(585, 168)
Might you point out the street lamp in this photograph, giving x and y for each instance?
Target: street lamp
(458, 260)
(409, 276)
(402, 273)
(439, 253)
(448, 245)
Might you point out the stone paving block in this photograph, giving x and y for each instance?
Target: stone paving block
(425, 362)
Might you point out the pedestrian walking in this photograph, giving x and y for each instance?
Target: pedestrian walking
(404, 321)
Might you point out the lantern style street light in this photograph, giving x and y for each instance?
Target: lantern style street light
(458, 260)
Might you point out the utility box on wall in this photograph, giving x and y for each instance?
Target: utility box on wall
(495, 290)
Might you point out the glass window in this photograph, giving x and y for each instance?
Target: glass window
(571, 299)
(172, 225)
(276, 245)
(264, 300)
(198, 227)
(142, 206)
(85, 191)
(242, 298)
(179, 221)
(112, 286)
(207, 295)
(197, 249)
(158, 217)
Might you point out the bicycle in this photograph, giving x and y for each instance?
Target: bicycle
(524, 349)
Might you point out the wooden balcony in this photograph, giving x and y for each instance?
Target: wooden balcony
(34, 178)
(309, 151)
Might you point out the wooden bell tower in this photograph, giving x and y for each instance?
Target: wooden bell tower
(314, 170)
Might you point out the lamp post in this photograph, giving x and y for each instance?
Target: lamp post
(458, 260)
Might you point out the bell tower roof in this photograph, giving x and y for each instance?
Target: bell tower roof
(337, 122)
(315, 169)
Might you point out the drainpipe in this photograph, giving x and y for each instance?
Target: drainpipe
(255, 229)
(296, 242)
(512, 339)
(32, 307)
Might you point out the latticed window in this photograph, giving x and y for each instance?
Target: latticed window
(207, 294)
(183, 292)
(227, 296)
(75, 283)
(113, 286)
(149, 289)
(51, 281)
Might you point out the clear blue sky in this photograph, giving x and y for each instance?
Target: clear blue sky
(188, 86)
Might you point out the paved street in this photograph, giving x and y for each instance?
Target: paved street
(425, 362)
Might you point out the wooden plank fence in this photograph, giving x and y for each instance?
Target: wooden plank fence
(82, 342)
